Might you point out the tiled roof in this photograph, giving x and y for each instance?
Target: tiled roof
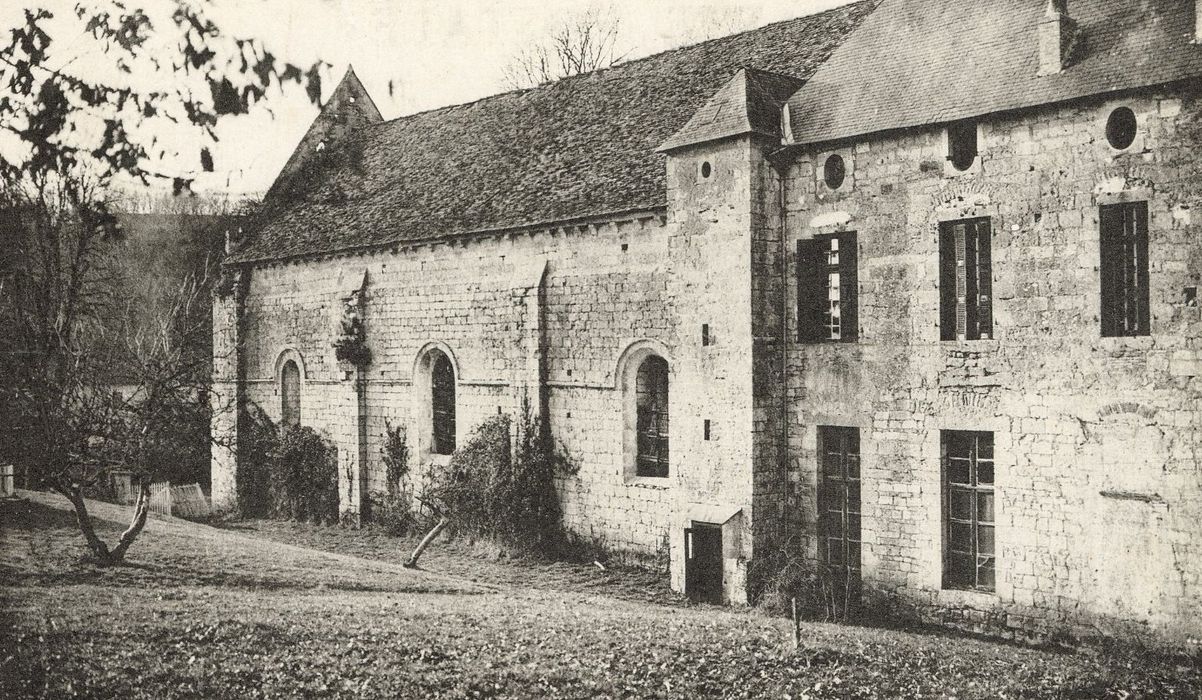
(578, 147)
(749, 103)
(914, 63)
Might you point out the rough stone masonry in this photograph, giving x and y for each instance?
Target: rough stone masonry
(933, 403)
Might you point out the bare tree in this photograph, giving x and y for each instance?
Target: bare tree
(580, 44)
(68, 136)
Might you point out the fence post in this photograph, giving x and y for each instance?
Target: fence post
(8, 488)
(796, 626)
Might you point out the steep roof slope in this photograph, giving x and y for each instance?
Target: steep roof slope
(915, 63)
(749, 103)
(577, 147)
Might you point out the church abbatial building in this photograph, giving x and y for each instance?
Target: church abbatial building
(908, 287)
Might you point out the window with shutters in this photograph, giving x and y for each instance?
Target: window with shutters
(965, 280)
(651, 419)
(968, 512)
(442, 404)
(1124, 269)
(290, 399)
(827, 288)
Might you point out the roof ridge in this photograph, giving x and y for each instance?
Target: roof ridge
(623, 64)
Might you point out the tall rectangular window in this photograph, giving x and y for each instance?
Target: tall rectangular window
(1124, 269)
(827, 288)
(968, 516)
(839, 498)
(965, 280)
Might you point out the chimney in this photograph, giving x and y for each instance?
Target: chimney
(1056, 34)
(1198, 21)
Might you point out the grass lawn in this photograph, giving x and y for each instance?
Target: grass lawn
(206, 612)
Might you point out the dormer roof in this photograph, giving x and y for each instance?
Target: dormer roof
(749, 103)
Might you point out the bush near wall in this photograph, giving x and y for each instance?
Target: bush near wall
(503, 489)
(304, 477)
(258, 443)
(393, 509)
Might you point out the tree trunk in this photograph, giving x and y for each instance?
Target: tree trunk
(98, 547)
(421, 546)
(141, 511)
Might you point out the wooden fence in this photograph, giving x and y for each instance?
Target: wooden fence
(186, 501)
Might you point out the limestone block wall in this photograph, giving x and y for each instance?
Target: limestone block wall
(603, 289)
(710, 190)
(1099, 495)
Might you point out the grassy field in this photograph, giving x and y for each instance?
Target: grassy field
(206, 612)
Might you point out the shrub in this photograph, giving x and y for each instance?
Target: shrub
(393, 509)
(393, 512)
(304, 477)
(395, 453)
(782, 573)
(258, 444)
(506, 495)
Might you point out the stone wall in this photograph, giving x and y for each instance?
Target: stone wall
(1099, 494)
(603, 290)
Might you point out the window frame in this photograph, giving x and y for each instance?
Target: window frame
(966, 271)
(652, 422)
(1124, 270)
(814, 278)
(290, 410)
(976, 492)
(443, 404)
(846, 452)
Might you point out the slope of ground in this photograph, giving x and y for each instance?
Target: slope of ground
(201, 612)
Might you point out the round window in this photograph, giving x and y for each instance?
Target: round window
(706, 169)
(834, 171)
(1121, 127)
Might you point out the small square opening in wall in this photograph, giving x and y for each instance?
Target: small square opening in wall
(569, 373)
(1191, 297)
(625, 247)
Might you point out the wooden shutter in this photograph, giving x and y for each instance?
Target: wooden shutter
(1110, 224)
(984, 277)
(1124, 269)
(849, 286)
(947, 282)
(811, 290)
(1140, 290)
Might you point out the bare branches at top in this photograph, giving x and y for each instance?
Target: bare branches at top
(581, 44)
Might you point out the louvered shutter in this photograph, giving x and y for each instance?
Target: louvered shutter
(811, 290)
(947, 283)
(984, 298)
(849, 301)
(1110, 223)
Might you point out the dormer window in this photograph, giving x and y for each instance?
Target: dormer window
(962, 144)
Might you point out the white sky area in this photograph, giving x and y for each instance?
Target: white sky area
(434, 52)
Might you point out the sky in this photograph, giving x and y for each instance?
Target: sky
(432, 52)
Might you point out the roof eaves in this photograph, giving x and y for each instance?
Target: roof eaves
(237, 260)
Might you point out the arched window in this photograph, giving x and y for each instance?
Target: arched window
(651, 423)
(290, 398)
(442, 404)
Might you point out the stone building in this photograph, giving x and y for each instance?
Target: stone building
(908, 288)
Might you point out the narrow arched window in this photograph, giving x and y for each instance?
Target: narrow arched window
(651, 409)
(442, 403)
(290, 398)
